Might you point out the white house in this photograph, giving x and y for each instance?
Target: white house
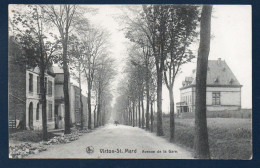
(33, 105)
(223, 89)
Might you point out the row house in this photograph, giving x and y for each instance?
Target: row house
(74, 94)
(25, 109)
(24, 93)
(33, 96)
(223, 90)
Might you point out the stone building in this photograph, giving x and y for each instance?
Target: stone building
(16, 86)
(223, 89)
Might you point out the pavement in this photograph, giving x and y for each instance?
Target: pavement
(118, 142)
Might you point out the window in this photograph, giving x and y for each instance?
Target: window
(50, 111)
(30, 82)
(50, 88)
(38, 111)
(38, 85)
(216, 98)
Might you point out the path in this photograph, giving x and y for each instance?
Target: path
(124, 141)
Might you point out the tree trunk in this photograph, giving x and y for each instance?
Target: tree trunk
(147, 100)
(89, 106)
(81, 103)
(136, 120)
(151, 116)
(129, 115)
(201, 144)
(159, 103)
(139, 111)
(143, 120)
(95, 117)
(43, 102)
(133, 114)
(101, 119)
(172, 124)
(66, 87)
(99, 109)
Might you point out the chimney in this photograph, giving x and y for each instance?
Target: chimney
(219, 61)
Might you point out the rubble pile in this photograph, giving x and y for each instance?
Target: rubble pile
(20, 151)
(63, 139)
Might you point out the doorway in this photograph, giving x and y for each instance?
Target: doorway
(31, 115)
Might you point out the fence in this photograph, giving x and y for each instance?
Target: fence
(243, 113)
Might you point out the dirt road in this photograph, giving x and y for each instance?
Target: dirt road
(117, 142)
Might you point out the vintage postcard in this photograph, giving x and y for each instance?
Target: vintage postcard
(130, 81)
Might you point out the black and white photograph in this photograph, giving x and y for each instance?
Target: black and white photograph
(151, 81)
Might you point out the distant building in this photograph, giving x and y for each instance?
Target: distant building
(74, 95)
(24, 92)
(59, 110)
(223, 89)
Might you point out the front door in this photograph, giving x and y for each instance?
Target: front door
(31, 116)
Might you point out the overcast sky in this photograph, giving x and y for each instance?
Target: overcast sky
(231, 31)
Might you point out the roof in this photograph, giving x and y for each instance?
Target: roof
(57, 69)
(218, 74)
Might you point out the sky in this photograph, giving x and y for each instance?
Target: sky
(231, 31)
(231, 41)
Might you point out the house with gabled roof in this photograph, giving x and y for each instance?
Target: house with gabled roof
(223, 89)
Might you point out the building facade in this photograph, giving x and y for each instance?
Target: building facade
(24, 92)
(33, 96)
(74, 95)
(223, 89)
(59, 110)
(16, 86)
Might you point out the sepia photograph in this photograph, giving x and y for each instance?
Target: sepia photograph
(152, 81)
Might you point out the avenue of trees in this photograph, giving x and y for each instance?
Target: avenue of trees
(62, 34)
(161, 39)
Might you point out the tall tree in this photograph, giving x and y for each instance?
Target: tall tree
(182, 30)
(152, 92)
(156, 18)
(63, 17)
(104, 76)
(143, 63)
(95, 43)
(75, 53)
(201, 144)
(30, 30)
(152, 23)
